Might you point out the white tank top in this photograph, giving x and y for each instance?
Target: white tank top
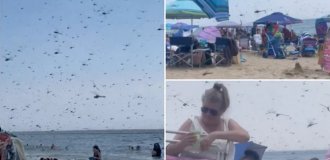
(220, 149)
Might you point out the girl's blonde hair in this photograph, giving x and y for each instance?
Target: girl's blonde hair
(217, 94)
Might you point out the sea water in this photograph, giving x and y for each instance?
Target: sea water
(77, 145)
(308, 26)
(294, 155)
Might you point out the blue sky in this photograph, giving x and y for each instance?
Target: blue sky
(55, 56)
(254, 106)
(243, 10)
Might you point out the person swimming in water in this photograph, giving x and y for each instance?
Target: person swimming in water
(156, 151)
(96, 153)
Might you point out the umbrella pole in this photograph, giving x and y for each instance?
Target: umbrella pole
(191, 31)
(191, 47)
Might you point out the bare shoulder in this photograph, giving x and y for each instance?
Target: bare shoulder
(186, 125)
(232, 124)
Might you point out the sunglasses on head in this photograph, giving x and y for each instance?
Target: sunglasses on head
(212, 112)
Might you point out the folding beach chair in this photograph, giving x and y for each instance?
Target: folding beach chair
(270, 47)
(221, 50)
(219, 153)
(308, 46)
(244, 43)
(184, 52)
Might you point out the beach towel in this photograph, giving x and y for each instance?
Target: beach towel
(325, 60)
(327, 155)
(18, 145)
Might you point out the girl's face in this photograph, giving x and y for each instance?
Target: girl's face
(211, 112)
(94, 150)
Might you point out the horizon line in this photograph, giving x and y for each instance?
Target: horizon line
(91, 130)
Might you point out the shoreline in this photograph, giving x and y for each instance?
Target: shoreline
(111, 131)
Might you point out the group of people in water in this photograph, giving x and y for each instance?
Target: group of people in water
(156, 151)
(48, 158)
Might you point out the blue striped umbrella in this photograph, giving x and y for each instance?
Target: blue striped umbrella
(218, 9)
(184, 9)
(196, 9)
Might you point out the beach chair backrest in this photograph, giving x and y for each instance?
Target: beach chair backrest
(309, 41)
(221, 43)
(244, 43)
(181, 41)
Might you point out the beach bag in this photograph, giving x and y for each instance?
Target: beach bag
(198, 59)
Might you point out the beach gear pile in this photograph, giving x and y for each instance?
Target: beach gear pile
(11, 148)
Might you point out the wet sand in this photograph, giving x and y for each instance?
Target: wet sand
(255, 67)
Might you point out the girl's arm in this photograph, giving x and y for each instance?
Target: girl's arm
(235, 133)
(174, 149)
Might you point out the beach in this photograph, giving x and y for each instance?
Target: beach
(77, 145)
(255, 67)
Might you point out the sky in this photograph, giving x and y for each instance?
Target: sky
(81, 65)
(254, 105)
(243, 10)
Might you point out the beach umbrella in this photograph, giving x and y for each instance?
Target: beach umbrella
(208, 33)
(279, 18)
(240, 148)
(326, 18)
(197, 9)
(228, 24)
(218, 9)
(184, 9)
(168, 26)
(183, 26)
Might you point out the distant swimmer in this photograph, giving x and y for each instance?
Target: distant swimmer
(156, 151)
(96, 153)
(52, 147)
(138, 148)
(130, 147)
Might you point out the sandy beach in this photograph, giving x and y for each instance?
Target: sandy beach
(255, 67)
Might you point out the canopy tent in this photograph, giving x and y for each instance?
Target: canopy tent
(183, 26)
(179, 29)
(229, 24)
(278, 18)
(248, 24)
